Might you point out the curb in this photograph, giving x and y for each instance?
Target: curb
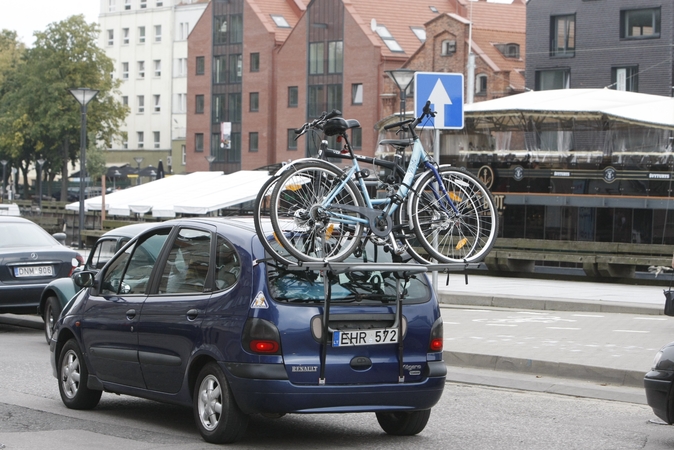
(617, 377)
(549, 304)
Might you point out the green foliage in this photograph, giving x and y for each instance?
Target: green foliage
(39, 117)
(95, 161)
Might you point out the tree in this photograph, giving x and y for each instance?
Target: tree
(38, 115)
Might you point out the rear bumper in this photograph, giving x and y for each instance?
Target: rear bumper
(658, 386)
(258, 395)
(20, 298)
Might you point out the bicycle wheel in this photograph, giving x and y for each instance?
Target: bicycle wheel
(305, 228)
(461, 228)
(261, 216)
(407, 237)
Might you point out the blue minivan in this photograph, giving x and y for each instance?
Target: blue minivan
(210, 321)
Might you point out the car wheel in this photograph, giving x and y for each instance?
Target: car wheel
(403, 423)
(73, 374)
(52, 311)
(218, 418)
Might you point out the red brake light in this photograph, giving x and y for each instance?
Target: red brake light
(436, 345)
(260, 346)
(77, 261)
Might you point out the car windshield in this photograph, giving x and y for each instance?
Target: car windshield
(362, 287)
(16, 234)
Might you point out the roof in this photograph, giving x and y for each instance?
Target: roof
(498, 16)
(621, 106)
(485, 41)
(289, 9)
(197, 193)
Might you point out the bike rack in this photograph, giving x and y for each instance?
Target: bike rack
(403, 272)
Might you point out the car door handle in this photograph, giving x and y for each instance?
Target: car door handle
(192, 314)
(130, 314)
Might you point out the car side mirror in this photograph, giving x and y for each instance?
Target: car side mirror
(84, 279)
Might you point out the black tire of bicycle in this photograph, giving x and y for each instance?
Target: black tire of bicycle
(488, 199)
(401, 213)
(280, 234)
(267, 189)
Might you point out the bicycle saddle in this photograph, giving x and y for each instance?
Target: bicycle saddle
(338, 125)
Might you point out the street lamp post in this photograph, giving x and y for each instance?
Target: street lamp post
(138, 159)
(83, 96)
(2, 188)
(402, 78)
(114, 180)
(40, 162)
(210, 160)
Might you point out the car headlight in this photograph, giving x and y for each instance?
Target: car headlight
(656, 360)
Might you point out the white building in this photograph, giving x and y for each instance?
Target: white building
(147, 39)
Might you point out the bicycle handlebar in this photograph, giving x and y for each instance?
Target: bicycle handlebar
(317, 123)
(426, 112)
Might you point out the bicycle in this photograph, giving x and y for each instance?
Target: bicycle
(322, 213)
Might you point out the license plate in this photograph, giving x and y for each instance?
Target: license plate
(364, 337)
(33, 271)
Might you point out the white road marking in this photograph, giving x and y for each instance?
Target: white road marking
(649, 318)
(562, 328)
(500, 325)
(586, 315)
(630, 331)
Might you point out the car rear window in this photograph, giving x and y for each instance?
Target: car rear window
(359, 288)
(15, 234)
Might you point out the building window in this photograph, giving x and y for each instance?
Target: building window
(218, 108)
(157, 138)
(157, 68)
(141, 139)
(420, 33)
(448, 48)
(125, 36)
(563, 35)
(141, 69)
(180, 69)
(388, 39)
(552, 79)
(199, 104)
(254, 62)
(220, 69)
(201, 65)
(111, 37)
(357, 138)
(280, 21)
(143, 4)
(335, 56)
(253, 138)
(141, 35)
(199, 142)
(292, 143)
(183, 31)
(160, 3)
(180, 103)
(235, 68)
(316, 101)
(157, 103)
(157, 33)
(125, 100)
(640, 23)
(316, 58)
(481, 85)
(357, 94)
(236, 31)
(127, 5)
(235, 107)
(293, 97)
(334, 97)
(183, 153)
(125, 139)
(625, 78)
(125, 71)
(141, 104)
(254, 101)
(220, 30)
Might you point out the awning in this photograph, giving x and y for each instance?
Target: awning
(196, 193)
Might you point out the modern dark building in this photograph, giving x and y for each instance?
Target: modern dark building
(618, 44)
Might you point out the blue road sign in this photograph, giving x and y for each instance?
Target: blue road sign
(445, 92)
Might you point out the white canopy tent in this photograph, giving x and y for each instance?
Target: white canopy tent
(196, 193)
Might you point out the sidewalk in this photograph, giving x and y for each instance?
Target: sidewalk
(557, 336)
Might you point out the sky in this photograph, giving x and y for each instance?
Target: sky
(28, 16)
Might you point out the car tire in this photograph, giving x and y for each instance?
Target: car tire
(72, 376)
(216, 414)
(403, 423)
(52, 311)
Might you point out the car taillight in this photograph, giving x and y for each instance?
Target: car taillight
(75, 263)
(437, 340)
(261, 336)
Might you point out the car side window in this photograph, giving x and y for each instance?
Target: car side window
(227, 264)
(102, 253)
(187, 265)
(130, 272)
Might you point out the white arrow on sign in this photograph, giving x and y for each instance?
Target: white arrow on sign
(439, 98)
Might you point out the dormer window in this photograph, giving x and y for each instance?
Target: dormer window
(448, 47)
(510, 50)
